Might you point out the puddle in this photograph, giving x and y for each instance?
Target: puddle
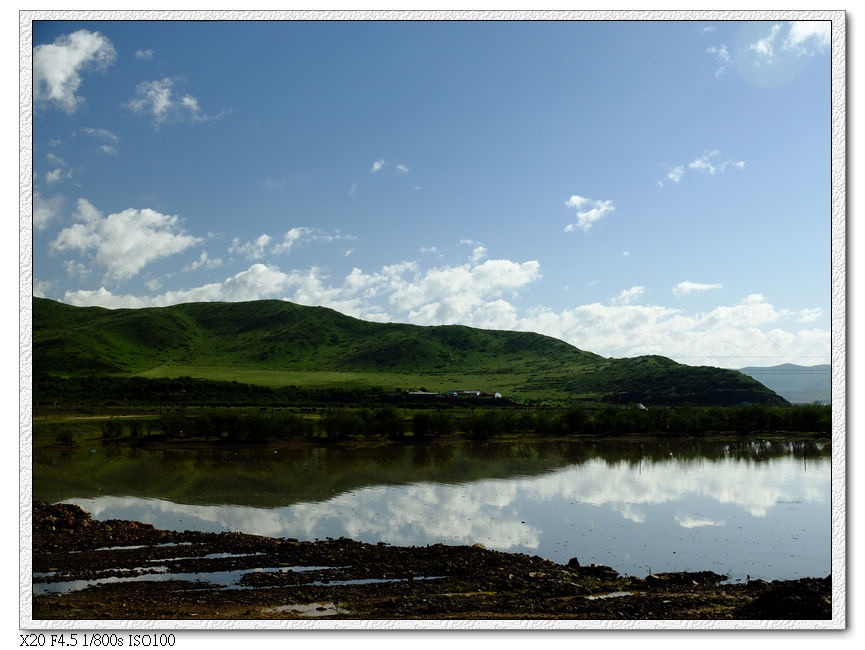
(368, 581)
(132, 548)
(612, 594)
(308, 609)
(218, 578)
(209, 556)
(226, 579)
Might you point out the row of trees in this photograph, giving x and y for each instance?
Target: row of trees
(231, 425)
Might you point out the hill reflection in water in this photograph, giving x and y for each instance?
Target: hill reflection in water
(745, 508)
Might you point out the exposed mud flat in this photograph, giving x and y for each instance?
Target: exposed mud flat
(94, 570)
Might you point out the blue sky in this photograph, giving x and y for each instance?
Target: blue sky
(629, 187)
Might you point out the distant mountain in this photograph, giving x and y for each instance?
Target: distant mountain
(279, 343)
(794, 383)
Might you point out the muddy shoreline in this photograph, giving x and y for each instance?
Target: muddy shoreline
(137, 572)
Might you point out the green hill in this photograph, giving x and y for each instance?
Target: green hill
(277, 343)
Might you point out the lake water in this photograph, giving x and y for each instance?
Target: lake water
(759, 509)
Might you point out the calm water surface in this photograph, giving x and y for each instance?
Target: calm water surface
(747, 508)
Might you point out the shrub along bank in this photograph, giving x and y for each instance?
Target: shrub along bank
(262, 424)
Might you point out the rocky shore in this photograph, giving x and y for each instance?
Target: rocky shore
(95, 570)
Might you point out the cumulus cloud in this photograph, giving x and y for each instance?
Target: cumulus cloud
(482, 295)
(261, 246)
(478, 253)
(158, 100)
(722, 57)
(143, 55)
(627, 296)
(123, 242)
(290, 238)
(108, 138)
(203, 261)
(703, 164)
(687, 287)
(76, 270)
(402, 169)
(803, 38)
(729, 336)
(807, 37)
(589, 211)
(810, 315)
(57, 67)
(253, 250)
(434, 296)
(55, 175)
(45, 210)
(377, 165)
(764, 48)
(706, 164)
(60, 172)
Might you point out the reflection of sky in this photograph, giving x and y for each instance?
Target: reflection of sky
(769, 519)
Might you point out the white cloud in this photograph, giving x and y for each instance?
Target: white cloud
(57, 67)
(124, 242)
(676, 173)
(706, 164)
(60, 172)
(478, 254)
(480, 295)
(296, 236)
(143, 55)
(449, 294)
(377, 165)
(687, 287)
(576, 201)
(702, 163)
(589, 211)
(292, 237)
(252, 250)
(723, 58)
(429, 249)
(764, 48)
(157, 99)
(77, 270)
(54, 176)
(807, 37)
(203, 261)
(42, 287)
(727, 336)
(627, 296)
(402, 169)
(810, 315)
(45, 210)
(104, 134)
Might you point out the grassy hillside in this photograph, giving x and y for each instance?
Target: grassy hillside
(272, 342)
